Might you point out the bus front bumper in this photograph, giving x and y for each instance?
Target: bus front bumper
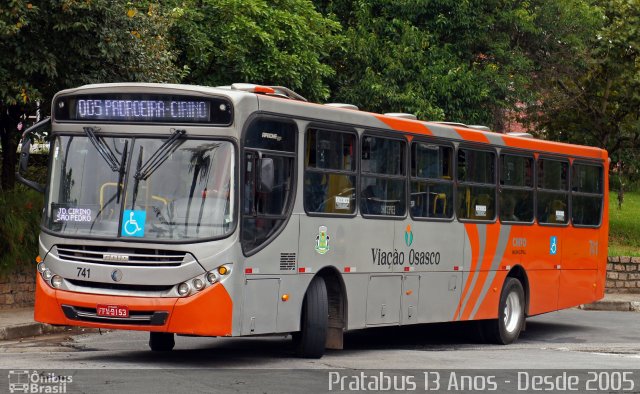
(208, 313)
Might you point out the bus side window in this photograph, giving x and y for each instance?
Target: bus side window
(553, 191)
(476, 187)
(516, 188)
(383, 180)
(431, 181)
(265, 209)
(586, 194)
(330, 172)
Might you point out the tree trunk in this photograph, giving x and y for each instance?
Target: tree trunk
(9, 136)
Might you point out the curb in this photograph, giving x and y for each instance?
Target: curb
(619, 306)
(30, 330)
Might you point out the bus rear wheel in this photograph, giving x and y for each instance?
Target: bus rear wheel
(506, 328)
(161, 341)
(311, 339)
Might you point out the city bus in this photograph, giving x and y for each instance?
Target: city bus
(246, 210)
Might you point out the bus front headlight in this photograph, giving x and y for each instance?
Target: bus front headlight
(198, 284)
(212, 277)
(183, 289)
(56, 281)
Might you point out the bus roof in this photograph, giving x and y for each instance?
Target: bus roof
(336, 114)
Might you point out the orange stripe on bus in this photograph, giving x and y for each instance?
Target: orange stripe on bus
(470, 135)
(472, 233)
(493, 233)
(404, 124)
(554, 147)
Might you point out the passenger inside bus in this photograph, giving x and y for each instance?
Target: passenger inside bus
(507, 209)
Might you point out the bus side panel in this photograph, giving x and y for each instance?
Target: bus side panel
(506, 255)
(603, 245)
(577, 287)
(486, 254)
(579, 267)
(278, 261)
(542, 263)
(439, 296)
(358, 248)
(543, 290)
(356, 285)
(432, 250)
(489, 307)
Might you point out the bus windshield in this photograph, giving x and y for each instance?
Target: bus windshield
(188, 194)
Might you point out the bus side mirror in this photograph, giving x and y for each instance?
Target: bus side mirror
(266, 175)
(24, 157)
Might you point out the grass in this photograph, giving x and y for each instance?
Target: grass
(624, 225)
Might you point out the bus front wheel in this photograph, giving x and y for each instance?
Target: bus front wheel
(161, 341)
(507, 327)
(311, 339)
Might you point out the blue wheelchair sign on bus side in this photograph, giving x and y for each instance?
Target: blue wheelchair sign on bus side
(553, 245)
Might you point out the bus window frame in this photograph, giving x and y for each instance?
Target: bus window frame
(355, 173)
(529, 155)
(439, 142)
(241, 178)
(593, 163)
(557, 158)
(484, 148)
(390, 136)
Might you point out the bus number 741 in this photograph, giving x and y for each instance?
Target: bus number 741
(84, 272)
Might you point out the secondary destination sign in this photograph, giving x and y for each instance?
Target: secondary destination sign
(133, 108)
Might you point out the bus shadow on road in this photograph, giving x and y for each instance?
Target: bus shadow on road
(256, 352)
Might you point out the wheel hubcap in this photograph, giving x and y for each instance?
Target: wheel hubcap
(512, 312)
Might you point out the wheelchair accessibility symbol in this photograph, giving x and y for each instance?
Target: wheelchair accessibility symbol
(553, 248)
(133, 223)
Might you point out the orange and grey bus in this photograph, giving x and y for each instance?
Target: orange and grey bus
(245, 210)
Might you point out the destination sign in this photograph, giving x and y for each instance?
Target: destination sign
(133, 108)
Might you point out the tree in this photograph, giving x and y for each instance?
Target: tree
(49, 45)
(278, 42)
(446, 59)
(598, 102)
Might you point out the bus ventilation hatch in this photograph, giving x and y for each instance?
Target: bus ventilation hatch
(287, 261)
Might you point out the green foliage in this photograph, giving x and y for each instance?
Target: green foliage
(624, 232)
(60, 44)
(50, 45)
(444, 59)
(594, 100)
(278, 42)
(20, 212)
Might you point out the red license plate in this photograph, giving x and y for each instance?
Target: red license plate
(112, 310)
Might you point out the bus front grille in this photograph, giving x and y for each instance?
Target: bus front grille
(120, 286)
(128, 257)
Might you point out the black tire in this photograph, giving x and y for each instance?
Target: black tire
(507, 327)
(161, 341)
(311, 340)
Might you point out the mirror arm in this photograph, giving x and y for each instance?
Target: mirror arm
(34, 185)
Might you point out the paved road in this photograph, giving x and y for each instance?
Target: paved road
(584, 339)
(567, 339)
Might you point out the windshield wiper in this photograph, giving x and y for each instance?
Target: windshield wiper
(121, 171)
(144, 171)
(102, 148)
(159, 156)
